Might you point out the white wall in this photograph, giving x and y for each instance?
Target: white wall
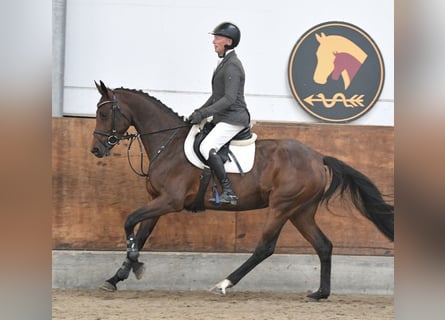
(163, 47)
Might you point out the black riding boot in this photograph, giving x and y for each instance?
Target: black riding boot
(216, 164)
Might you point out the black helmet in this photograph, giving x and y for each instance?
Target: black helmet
(228, 30)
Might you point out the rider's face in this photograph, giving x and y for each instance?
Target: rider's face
(219, 42)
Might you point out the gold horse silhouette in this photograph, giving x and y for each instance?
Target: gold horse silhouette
(337, 55)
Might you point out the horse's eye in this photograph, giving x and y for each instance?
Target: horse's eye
(103, 115)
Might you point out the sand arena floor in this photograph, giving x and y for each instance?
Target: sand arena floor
(197, 305)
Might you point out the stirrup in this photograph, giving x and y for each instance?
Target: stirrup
(231, 199)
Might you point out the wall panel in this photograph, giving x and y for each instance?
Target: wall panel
(92, 197)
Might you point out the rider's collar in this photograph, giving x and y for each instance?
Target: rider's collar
(224, 55)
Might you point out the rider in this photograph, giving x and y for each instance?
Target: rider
(226, 105)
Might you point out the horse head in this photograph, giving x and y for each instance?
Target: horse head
(111, 122)
(337, 55)
(325, 59)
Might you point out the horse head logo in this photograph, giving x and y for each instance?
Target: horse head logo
(337, 55)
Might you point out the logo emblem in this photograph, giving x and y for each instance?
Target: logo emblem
(336, 72)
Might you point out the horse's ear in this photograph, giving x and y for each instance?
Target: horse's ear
(320, 36)
(101, 88)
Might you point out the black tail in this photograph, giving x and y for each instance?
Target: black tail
(364, 195)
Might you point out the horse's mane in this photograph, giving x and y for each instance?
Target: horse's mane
(149, 97)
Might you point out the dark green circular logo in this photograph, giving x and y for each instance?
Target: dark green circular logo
(336, 72)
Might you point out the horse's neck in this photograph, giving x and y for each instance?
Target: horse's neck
(154, 125)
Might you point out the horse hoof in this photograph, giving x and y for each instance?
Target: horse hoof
(310, 299)
(316, 296)
(106, 286)
(138, 270)
(221, 287)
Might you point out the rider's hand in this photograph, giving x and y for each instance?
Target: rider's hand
(196, 117)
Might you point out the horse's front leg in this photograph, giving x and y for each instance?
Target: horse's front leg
(131, 262)
(142, 235)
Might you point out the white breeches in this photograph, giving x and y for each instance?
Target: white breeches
(218, 136)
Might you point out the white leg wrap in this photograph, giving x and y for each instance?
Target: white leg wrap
(222, 286)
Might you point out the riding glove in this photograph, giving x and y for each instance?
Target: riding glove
(196, 117)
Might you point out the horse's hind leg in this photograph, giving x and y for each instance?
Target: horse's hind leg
(144, 231)
(264, 249)
(304, 221)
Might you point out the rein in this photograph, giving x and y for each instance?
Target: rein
(132, 137)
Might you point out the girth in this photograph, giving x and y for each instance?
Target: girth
(198, 203)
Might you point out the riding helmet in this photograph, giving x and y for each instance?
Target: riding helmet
(229, 30)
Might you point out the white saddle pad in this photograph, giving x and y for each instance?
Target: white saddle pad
(244, 153)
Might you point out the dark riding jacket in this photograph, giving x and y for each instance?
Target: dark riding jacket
(227, 104)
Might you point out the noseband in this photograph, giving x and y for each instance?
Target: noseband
(112, 138)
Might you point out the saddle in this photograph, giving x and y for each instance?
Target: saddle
(238, 156)
(241, 150)
(224, 151)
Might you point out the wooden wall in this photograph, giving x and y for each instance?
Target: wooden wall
(92, 197)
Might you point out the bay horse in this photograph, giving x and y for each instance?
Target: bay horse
(288, 177)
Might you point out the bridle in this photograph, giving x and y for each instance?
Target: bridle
(113, 139)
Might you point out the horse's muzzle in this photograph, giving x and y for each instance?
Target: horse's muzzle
(97, 152)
